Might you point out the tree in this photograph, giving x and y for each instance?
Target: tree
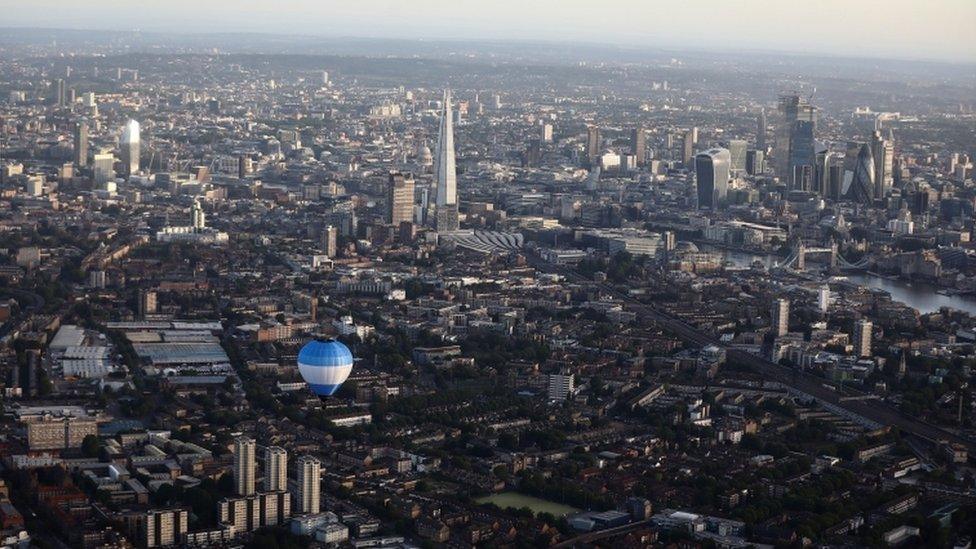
(44, 384)
(508, 441)
(164, 495)
(347, 390)
(203, 503)
(225, 484)
(89, 446)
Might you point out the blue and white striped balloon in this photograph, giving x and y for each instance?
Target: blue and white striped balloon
(324, 364)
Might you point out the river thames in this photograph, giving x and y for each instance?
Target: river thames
(920, 295)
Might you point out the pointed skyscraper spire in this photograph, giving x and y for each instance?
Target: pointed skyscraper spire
(447, 207)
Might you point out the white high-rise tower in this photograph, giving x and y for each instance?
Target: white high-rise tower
(275, 469)
(244, 465)
(446, 170)
(823, 298)
(309, 479)
(862, 338)
(198, 217)
(129, 148)
(781, 317)
(883, 151)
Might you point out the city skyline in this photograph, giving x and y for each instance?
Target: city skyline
(896, 29)
(457, 286)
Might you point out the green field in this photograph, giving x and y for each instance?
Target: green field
(514, 500)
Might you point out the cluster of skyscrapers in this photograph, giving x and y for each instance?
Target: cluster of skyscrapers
(103, 162)
(273, 504)
(401, 198)
(863, 173)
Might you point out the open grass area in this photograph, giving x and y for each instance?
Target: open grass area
(514, 500)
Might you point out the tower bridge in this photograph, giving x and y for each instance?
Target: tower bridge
(800, 251)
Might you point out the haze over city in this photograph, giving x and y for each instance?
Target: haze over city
(377, 274)
(876, 28)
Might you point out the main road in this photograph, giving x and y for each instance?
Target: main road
(873, 410)
(590, 537)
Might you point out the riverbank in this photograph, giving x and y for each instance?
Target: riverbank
(922, 296)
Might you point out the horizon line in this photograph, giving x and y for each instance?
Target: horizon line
(501, 41)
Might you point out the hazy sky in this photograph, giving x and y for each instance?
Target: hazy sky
(911, 29)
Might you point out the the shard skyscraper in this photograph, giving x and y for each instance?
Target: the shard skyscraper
(446, 213)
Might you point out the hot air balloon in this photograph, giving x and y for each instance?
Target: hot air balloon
(324, 365)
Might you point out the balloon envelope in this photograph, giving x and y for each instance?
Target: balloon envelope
(324, 365)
